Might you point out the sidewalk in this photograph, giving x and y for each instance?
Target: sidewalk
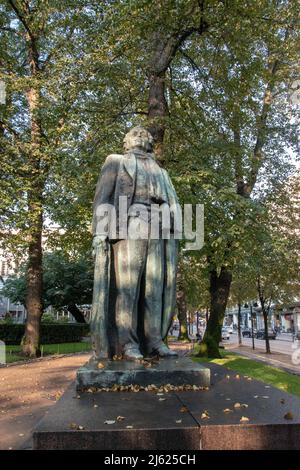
(29, 390)
(279, 360)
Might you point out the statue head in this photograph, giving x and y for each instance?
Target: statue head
(138, 138)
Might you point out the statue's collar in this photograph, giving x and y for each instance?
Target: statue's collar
(140, 153)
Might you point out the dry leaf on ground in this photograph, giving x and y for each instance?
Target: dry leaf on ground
(205, 415)
(244, 419)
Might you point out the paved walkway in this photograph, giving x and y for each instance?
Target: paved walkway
(279, 360)
(27, 392)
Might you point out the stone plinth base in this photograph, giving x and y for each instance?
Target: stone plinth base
(179, 371)
(267, 418)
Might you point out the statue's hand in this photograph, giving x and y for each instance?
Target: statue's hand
(99, 241)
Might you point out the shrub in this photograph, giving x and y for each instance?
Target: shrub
(50, 333)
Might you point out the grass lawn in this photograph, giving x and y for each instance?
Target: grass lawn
(13, 352)
(257, 370)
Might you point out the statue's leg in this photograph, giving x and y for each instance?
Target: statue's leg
(154, 277)
(153, 299)
(129, 264)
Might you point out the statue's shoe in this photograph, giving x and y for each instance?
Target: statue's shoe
(132, 354)
(163, 351)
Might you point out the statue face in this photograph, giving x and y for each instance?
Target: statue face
(138, 138)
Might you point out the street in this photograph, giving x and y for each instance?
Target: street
(282, 344)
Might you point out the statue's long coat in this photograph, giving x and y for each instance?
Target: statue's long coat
(118, 178)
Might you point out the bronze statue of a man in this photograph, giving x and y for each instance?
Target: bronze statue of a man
(135, 278)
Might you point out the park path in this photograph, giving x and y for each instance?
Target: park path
(27, 391)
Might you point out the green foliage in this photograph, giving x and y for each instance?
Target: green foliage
(47, 318)
(66, 280)
(229, 133)
(50, 333)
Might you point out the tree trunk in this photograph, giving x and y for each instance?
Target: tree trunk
(182, 316)
(76, 313)
(219, 292)
(239, 325)
(157, 111)
(34, 276)
(260, 290)
(265, 315)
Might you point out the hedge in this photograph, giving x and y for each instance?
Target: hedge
(50, 332)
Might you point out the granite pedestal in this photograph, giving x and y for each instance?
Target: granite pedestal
(175, 420)
(180, 371)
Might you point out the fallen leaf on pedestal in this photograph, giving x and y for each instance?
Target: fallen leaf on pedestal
(75, 426)
(289, 415)
(244, 419)
(109, 421)
(205, 415)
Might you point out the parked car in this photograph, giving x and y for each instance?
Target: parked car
(248, 333)
(229, 329)
(225, 334)
(261, 334)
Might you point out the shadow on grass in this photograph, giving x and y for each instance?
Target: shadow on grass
(271, 375)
